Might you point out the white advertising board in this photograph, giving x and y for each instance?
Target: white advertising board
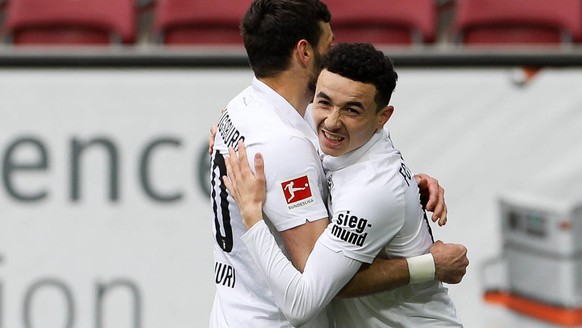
(104, 220)
(104, 217)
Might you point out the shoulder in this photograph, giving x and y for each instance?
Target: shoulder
(287, 142)
(373, 186)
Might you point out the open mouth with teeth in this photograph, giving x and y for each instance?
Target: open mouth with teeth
(333, 138)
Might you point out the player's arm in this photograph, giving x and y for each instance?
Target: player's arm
(300, 230)
(449, 262)
(449, 265)
(299, 241)
(300, 296)
(381, 275)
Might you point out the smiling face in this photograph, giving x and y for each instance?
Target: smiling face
(345, 113)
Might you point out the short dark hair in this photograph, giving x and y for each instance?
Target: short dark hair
(271, 29)
(363, 63)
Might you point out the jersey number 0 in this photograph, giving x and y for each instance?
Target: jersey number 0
(221, 204)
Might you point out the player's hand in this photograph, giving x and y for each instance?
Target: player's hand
(248, 190)
(450, 262)
(213, 130)
(432, 197)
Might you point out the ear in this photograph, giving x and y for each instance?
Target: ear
(303, 51)
(384, 115)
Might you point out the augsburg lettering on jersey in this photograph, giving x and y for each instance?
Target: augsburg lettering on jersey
(350, 228)
(229, 133)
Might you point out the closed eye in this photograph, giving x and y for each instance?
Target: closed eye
(323, 102)
(353, 111)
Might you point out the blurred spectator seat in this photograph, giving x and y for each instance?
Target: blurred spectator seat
(514, 22)
(384, 22)
(189, 22)
(70, 22)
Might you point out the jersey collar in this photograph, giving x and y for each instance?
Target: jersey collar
(331, 163)
(284, 109)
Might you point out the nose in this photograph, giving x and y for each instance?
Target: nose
(333, 121)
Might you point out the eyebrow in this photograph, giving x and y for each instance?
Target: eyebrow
(322, 94)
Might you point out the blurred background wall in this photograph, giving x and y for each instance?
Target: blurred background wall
(105, 219)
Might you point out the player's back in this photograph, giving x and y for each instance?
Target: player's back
(243, 298)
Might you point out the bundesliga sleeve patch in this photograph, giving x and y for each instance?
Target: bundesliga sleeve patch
(297, 192)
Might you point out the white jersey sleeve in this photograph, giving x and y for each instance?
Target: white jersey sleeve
(295, 191)
(299, 296)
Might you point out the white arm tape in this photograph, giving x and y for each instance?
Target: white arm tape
(421, 268)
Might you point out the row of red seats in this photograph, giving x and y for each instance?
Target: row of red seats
(194, 22)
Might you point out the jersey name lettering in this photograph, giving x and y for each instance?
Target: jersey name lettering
(229, 132)
(224, 274)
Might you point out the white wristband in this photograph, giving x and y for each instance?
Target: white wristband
(421, 268)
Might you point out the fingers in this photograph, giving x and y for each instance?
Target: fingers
(243, 163)
(429, 191)
(232, 166)
(461, 265)
(433, 194)
(440, 208)
(237, 166)
(259, 167)
(442, 218)
(240, 180)
(213, 130)
(228, 182)
(242, 152)
(451, 262)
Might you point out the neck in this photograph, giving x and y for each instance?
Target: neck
(292, 87)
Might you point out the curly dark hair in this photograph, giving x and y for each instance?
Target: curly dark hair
(363, 63)
(271, 28)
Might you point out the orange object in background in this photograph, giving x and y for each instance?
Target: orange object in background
(553, 314)
(539, 272)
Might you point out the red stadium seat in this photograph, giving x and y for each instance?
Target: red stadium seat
(515, 22)
(70, 22)
(189, 22)
(384, 22)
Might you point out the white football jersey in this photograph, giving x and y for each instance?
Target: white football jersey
(376, 211)
(296, 189)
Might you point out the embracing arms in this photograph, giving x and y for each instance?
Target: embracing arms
(384, 274)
